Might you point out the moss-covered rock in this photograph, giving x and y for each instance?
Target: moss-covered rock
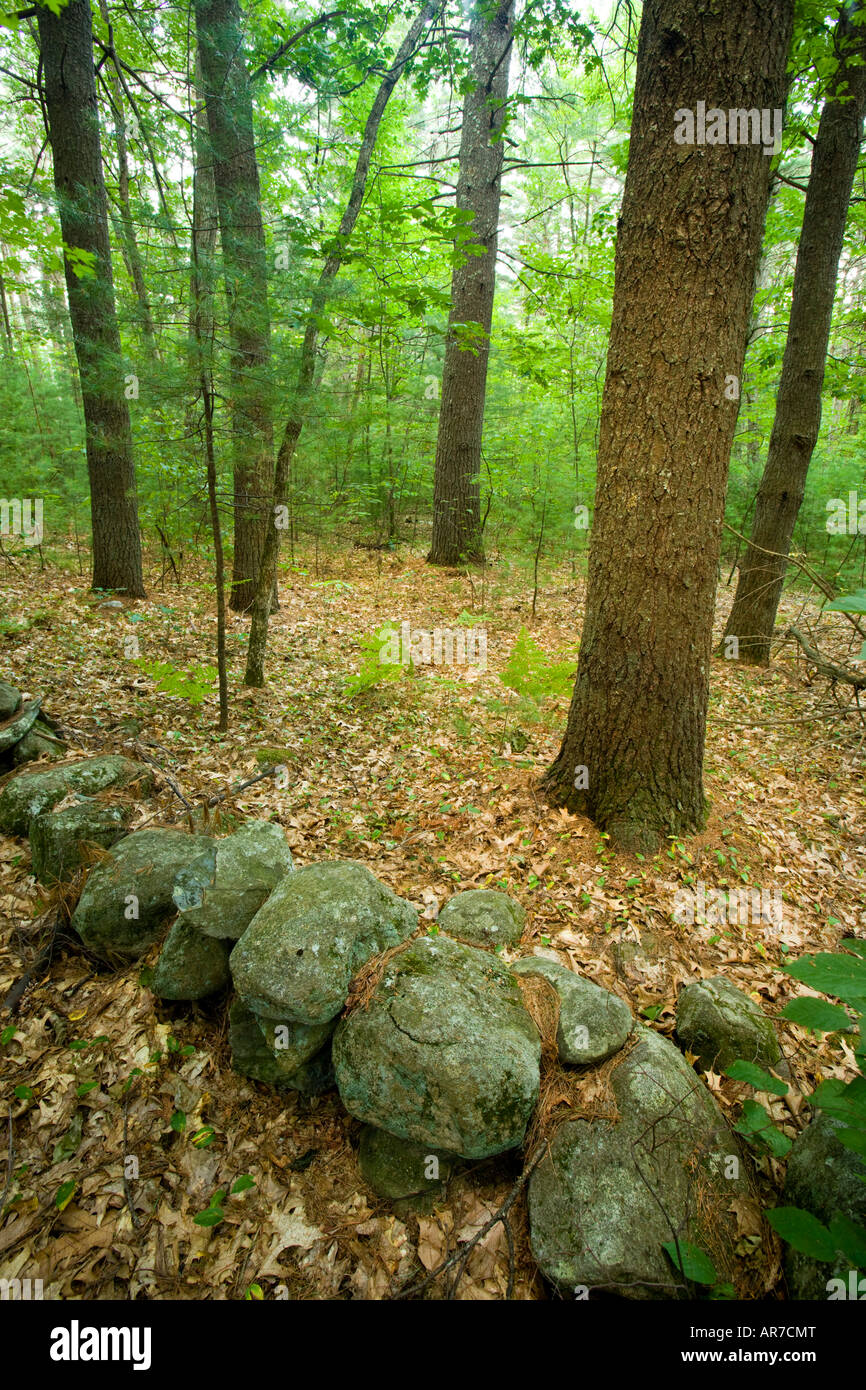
(321, 923)
(826, 1179)
(190, 966)
(397, 1168)
(12, 730)
(39, 741)
(10, 699)
(718, 1023)
(483, 917)
(444, 1054)
(127, 899)
(607, 1196)
(58, 839)
(246, 867)
(593, 1023)
(29, 793)
(252, 1055)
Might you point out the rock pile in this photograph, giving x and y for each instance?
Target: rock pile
(26, 732)
(422, 1029)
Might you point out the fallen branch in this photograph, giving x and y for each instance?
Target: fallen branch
(825, 667)
(460, 1257)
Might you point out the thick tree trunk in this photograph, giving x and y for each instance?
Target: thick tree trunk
(236, 179)
(456, 482)
(66, 44)
(798, 403)
(687, 252)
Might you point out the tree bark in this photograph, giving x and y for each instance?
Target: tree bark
(255, 671)
(686, 257)
(457, 535)
(798, 403)
(236, 179)
(66, 45)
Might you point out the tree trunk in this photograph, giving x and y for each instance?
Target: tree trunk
(798, 403)
(686, 256)
(255, 671)
(66, 45)
(236, 179)
(456, 481)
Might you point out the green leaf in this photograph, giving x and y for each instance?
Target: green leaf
(756, 1123)
(254, 1292)
(850, 1239)
(7, 1035)
(757, 1077)
(691, 1262)
(844, 976)
(211, 1216)
(85, 1087)
(816, 1014)
(203, 1137)
(848, 603)
(853, 1139)
(64, 1195)
(178, 1121)
(243, 1183)
(23, 1093)
(803, 1231)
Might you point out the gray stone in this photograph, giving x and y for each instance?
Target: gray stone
(57, 838)
(14, 729)
(137, 877)
(483, 917)
(397, 1168)
(593, 1023)
(826, 1179)
(444, 1054)
(252, 1057)
(190, 966)
(321, 923)
(607, 1196)
(10, 699)
(38, 742)
(29, 793)
(718, 1023)
(245, 868)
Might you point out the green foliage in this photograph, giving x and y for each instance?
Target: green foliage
(530, 673)
(193, 684)
(378, 664)
(843, 975)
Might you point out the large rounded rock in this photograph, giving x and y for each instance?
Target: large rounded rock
(58, 838)
(127, 898)
(445, 1054)
(826, 1179)
(321, 923)
(252, 1055)
(28, 794)
(190, 966)
(244, 868)
(397, 1168)
(593, 1023)
(13, 730)
(483, 917)
(718, 1024)
(607, 1196)
(39, 741)
(10, 699)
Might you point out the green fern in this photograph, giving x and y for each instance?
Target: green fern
(529, 672)
(192, 684)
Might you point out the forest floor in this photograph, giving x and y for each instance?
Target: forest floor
(433, 783)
